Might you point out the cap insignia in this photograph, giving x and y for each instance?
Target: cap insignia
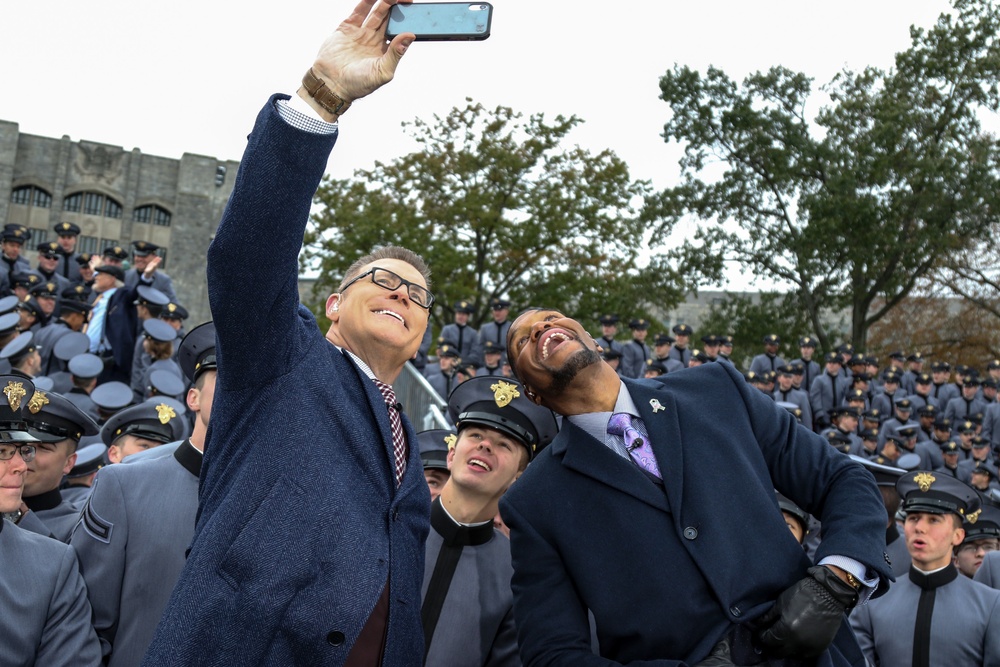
(38, 401)
(118, 250)
(15, 392)
(974, 517)
(171, 307)
(924, 481)
(165, 413)
(504, 393)
(451, 440)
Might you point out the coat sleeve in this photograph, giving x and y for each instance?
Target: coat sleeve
(552, 624)
(68, 639)
(253, 260)
(100, 540)
(820, 480)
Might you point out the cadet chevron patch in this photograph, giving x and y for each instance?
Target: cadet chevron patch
(95, 526)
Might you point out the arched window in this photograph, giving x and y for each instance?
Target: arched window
(30, 195)
(151, 213)
(92, 203)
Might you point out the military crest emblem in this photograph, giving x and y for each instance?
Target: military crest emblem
(38, 401)
(451, 440)
(924, 481)
(165, 413)
(504, 393)
(15, 392)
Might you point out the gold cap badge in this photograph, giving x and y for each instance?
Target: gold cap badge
(38, 401)
(451, 440)
(165, 413)
(15, 392)
(504, 393)
(924, 481)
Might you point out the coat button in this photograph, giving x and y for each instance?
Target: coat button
(735, 611)
(335, 638)
(690, 533)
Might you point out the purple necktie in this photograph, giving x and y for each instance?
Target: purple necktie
(398, 436)
(641, 452)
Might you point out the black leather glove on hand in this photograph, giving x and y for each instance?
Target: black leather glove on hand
(806, 617)
(719, 657)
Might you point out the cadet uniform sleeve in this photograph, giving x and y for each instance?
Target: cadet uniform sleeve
(100, 539)
(68, 639)
(861, 623)
(991, 647)
(984, 574)
(503, 653)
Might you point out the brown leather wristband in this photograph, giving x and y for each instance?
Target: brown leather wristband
(326, 98)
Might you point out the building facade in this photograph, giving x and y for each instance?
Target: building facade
(116, 197)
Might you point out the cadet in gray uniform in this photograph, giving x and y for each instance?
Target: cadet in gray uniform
(143, 256)
(140, 518)
(932, 616)
(46, 616)
(981, 537)
(635, 352)
(460, 334)
(768, 361)
(434, 447)
(89, 459)
(609, 329)
(495, 331)
(467, 610)
(57, 425)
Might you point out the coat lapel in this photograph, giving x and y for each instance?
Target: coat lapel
(658, 411)
(582, 453)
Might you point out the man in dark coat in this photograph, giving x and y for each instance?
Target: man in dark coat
(622, 516)
(317, 562)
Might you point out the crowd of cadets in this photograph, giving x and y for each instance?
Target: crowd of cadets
(128, 526)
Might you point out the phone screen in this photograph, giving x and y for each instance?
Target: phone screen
(442, 20)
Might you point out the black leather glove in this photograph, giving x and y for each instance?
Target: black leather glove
(719, 657)
(806, 617)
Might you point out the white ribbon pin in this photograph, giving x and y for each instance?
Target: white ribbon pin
(655, 404)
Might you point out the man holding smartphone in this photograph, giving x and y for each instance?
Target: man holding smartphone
(313, 509)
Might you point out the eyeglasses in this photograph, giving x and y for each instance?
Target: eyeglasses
(27, 452)
(386, 279)
(986, 548)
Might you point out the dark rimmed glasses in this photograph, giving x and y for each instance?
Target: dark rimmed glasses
(386, 279)
(7, 452)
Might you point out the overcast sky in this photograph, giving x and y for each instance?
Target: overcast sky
(186, 76)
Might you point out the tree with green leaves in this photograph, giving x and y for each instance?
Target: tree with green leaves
(749, 319)
(854, 207)
(498, 206)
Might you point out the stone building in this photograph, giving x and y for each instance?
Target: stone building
(116, 197)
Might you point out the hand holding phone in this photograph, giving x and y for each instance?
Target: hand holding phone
(441, 21)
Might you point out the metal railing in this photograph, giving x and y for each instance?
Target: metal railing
(422, 404)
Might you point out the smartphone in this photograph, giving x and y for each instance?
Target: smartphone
(441, 21)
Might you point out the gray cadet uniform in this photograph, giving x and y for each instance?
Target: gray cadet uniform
(475, 622)
(46, 615)
(767, 363)
(137, 525)
(634, 353)
(463, 337)
(826, 393)
(468, 606)
(51, 419)
(941, 618)
(491, 331)
(136, 528)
